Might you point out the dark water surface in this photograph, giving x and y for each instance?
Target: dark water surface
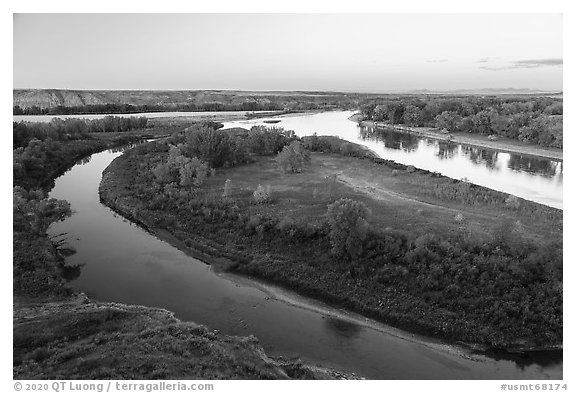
(124, 263)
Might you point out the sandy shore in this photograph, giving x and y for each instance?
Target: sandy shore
(503, 145)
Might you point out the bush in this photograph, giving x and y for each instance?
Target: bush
(348, 227)
(188, 172)
(262, 195)
(227, 193)
(37, 210)
(512, 202)
(293, 158)
(263, 140)
(215, 147)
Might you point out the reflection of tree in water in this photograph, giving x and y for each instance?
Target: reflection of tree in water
(391, 139)
(84, 160)
(342, 328)
(539, 166)
(123, 148)
(479, 156)
(446, 150)
(543, 359)
(72, 272)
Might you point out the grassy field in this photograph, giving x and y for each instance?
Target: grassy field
(397, 198)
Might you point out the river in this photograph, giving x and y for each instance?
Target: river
(123, 263)
(532, 178)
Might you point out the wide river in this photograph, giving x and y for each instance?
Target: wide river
(536, 179)
(124, 263)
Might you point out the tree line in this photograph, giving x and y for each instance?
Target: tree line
(72, 129)
(275, 104)
(534, 119)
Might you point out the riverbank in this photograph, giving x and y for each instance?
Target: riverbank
(77, 338)
(501, 144)
(298, 266)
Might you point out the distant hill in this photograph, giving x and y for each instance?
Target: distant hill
(486, 91)
(233, 99)
(51, 98)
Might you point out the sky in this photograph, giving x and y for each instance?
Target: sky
(326, 52)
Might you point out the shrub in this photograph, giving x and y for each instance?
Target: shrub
(512, 202)
(215, 147)
(263, 140)
(193, 172)
(227, 193)
(293, 158)
(410, 169)
(262, 195)
(348, 227)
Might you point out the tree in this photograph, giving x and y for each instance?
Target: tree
(481, 122)
(395, 112)
(466, 125)
(348, 227)
(293, 158)
(412, 115)
(178, 168)
(193, 172)
(380, 113)
(215, 147)
(448, 120)
(264, 140)
(38, 210)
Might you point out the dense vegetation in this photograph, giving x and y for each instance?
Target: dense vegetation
(72, 129)
(501, 289)
(127, 108)
(533, 119)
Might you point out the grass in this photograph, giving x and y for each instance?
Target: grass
(399, 201)
(80, 339)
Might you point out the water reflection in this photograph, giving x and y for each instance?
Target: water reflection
(343, 329)
(544, 359)
(391, 139)
(533, 165)
(84, 161)
(486, 158)
(72, 272)
(446, 150)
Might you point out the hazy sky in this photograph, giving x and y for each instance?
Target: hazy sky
(339, 52)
